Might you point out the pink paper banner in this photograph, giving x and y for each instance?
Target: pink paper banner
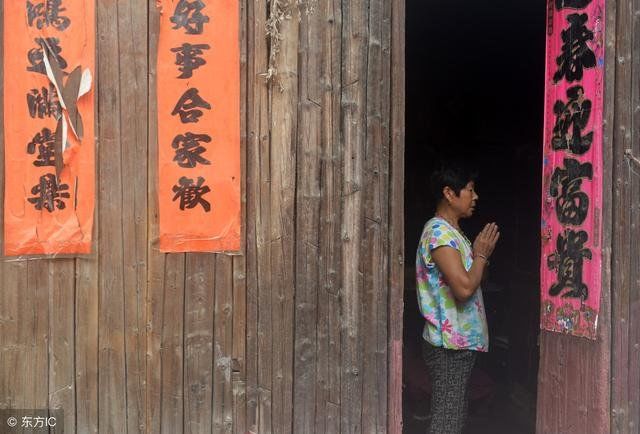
(572, 168)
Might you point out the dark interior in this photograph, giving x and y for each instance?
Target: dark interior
(475, 92)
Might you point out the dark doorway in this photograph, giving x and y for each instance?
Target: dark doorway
(475, 91)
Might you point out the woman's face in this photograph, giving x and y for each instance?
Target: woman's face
(464, 204)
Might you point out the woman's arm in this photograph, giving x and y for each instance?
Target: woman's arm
(464, 283)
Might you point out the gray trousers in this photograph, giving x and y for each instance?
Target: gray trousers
(450, 371)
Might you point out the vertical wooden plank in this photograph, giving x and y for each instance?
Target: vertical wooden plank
(239, 372)
(308, 196)
(396, 215)
(622, 202)
(633, 172)
(258, 363)
(609, 130)
(61, 339)
(281, 236)
(574, 374)
(222, 417)
(156, 270)
(38, 272)
(375, 263)
(239, 337)
(12, 351)
(112, 393)
(132, 49)
(328, 368)
(353, 124)
(198, 342)
(86, 347)
(172, 346)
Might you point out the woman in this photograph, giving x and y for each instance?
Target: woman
(449, 270)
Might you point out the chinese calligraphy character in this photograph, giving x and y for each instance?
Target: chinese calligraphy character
(189, 150)
(47, 13)
(187, 106)
(27, 422)
(572, 4)
(44, 143)
(40, 422)
(571, 119)
(36, 56)
(571, 204)
(576, 54)
(44, 103)
(188, 14)
(187, 58)
(568, 261)
(49, 193)
(190, 194)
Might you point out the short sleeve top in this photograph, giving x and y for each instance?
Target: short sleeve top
(449, 323)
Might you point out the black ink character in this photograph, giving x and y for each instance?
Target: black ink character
(187, 106)
(44, 143)
(572, 4)
(190, 194)
(572, 204)
(49, 193)
(188, 14)
(576, 54)
(568, 261)
(47, 13)
(571, 119)
(189, 150)
(44, 103)
(36, 56)
(187, 58)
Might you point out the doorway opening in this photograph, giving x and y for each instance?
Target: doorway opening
(475, 92)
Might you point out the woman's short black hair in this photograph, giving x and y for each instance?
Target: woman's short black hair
(453, 175)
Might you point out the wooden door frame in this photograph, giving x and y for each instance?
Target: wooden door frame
(552, 345)
(396, 213)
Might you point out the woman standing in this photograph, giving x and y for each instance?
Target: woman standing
(448, 271)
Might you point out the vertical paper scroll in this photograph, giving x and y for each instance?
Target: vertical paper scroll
(49, 45)
(199, 126)
(572, 167)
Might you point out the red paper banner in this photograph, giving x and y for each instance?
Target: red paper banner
(49, 194)
(199, 126)
(572, 168)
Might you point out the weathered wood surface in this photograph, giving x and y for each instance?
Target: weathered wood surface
(625, 367)
(396, 215)
(292, 335)
(594, 387)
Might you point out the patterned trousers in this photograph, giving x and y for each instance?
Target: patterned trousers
(450, 371)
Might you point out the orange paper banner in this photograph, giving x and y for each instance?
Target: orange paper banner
(199, 126)
(46, 213)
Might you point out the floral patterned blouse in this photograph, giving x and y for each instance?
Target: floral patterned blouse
(449, 323)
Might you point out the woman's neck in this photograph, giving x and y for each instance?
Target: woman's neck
(446, 215)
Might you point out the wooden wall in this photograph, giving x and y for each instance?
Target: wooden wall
(625, 288)
(594, 387)
(301, 332)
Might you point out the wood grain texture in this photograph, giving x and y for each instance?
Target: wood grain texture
(61, 340)
(308, 196)
(353, 128)
(156, 260)
(112, 391)
(222, 417)
(622, 345)
(198, 342)
(294, 334)
(396, 216)
(258, 280)
(574, 386)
